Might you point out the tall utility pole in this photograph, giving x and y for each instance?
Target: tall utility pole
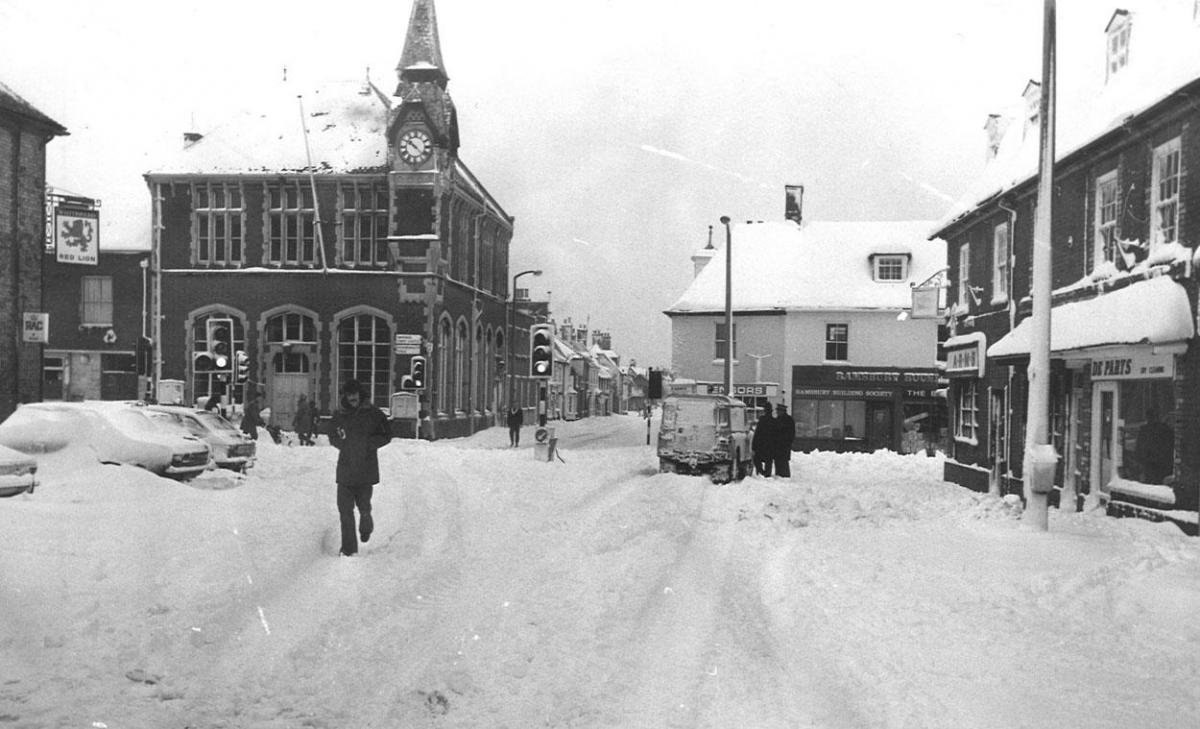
(1040, 459)
(728, 307)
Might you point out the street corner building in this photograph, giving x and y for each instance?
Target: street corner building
(1125, 363)
(24, 134)
(821, 324)
(331, 234)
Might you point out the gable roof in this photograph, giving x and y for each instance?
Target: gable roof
(12, 103)
(1164, 58)
(819, 265)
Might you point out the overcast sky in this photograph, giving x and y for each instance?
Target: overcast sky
(615, 131)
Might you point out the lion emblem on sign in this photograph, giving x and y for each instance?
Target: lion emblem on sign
(77, 233)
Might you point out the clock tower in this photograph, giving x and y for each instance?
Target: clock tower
(423, 127)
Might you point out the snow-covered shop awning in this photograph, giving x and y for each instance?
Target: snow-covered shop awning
(1147, 312)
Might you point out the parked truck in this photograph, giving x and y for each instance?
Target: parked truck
(705, 435)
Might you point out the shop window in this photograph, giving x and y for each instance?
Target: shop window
(966, 412)
(1147, 437)
(1106, 218)
(1001, 244)
(837, 342)
(96, 301)
(1164, 190)
(52, 377)
(831, 419)
(217, 218)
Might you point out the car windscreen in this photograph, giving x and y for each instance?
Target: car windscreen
(134, 421)
(212, 421)
(176, 420)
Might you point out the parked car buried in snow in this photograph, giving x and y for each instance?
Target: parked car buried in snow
(704, 434)
(115, 432)
(18, 472)
(231, 448)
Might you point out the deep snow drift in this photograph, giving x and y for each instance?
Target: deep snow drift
(591, 591)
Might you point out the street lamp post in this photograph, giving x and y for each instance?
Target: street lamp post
(508, 329)
(728, 307)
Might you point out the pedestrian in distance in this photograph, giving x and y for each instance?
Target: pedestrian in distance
(302, 421)
(358, 431)
(516, 418)
(252, 417)
(314, 417)
(761, 443)
(785, 433)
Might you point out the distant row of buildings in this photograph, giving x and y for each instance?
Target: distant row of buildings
(287, 259)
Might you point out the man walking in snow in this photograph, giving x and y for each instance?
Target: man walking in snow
(516, 418)
(358, 430)
(785, 433)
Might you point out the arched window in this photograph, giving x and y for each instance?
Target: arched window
(461, 379)
(479, 371)
(364, 354)
(287, 329)
(445, 400)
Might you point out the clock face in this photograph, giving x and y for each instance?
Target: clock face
(414, 146)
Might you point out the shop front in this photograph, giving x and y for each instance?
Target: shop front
(1133, 423)
(863, 408)
(757, 395)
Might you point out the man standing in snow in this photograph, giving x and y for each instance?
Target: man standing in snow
(785, 433)
(761, 443)
(358, 430)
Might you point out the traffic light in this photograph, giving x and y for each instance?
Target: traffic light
(220, 343)
(416, 372)
(203, 362)
(541, 350)
(242, 363)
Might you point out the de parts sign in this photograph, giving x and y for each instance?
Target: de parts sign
(77, 235)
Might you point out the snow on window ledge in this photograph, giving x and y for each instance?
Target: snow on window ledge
(1154, 492)
(973, 441)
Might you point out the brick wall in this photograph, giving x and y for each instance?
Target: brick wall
(22, 235)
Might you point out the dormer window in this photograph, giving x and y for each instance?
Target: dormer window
(1118, 42)
(1033, 104)
(890, 267)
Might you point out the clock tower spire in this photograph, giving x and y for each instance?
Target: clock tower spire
(424, 115)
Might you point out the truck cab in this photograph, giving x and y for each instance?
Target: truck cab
(705, 434)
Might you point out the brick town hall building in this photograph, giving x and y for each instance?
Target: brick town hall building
(335, 249)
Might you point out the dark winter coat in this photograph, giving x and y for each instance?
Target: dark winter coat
(357, 434)
(763, 441)
(785, 434)
(516, 418)
(303, 421)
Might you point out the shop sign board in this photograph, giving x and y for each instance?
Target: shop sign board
(77, 236)
(1133, 364)
(965, 355)
(755, 390)
(407, 344)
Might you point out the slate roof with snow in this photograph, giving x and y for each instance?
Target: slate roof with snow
(12, 103)
(346, 133)
(1164, 57)
(818, 265)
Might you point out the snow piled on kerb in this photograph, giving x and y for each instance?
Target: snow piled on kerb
(587, 592)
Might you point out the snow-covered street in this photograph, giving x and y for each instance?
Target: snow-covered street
(592, 591)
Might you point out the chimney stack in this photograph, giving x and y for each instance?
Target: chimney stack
(701, 258)
(793, 207)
